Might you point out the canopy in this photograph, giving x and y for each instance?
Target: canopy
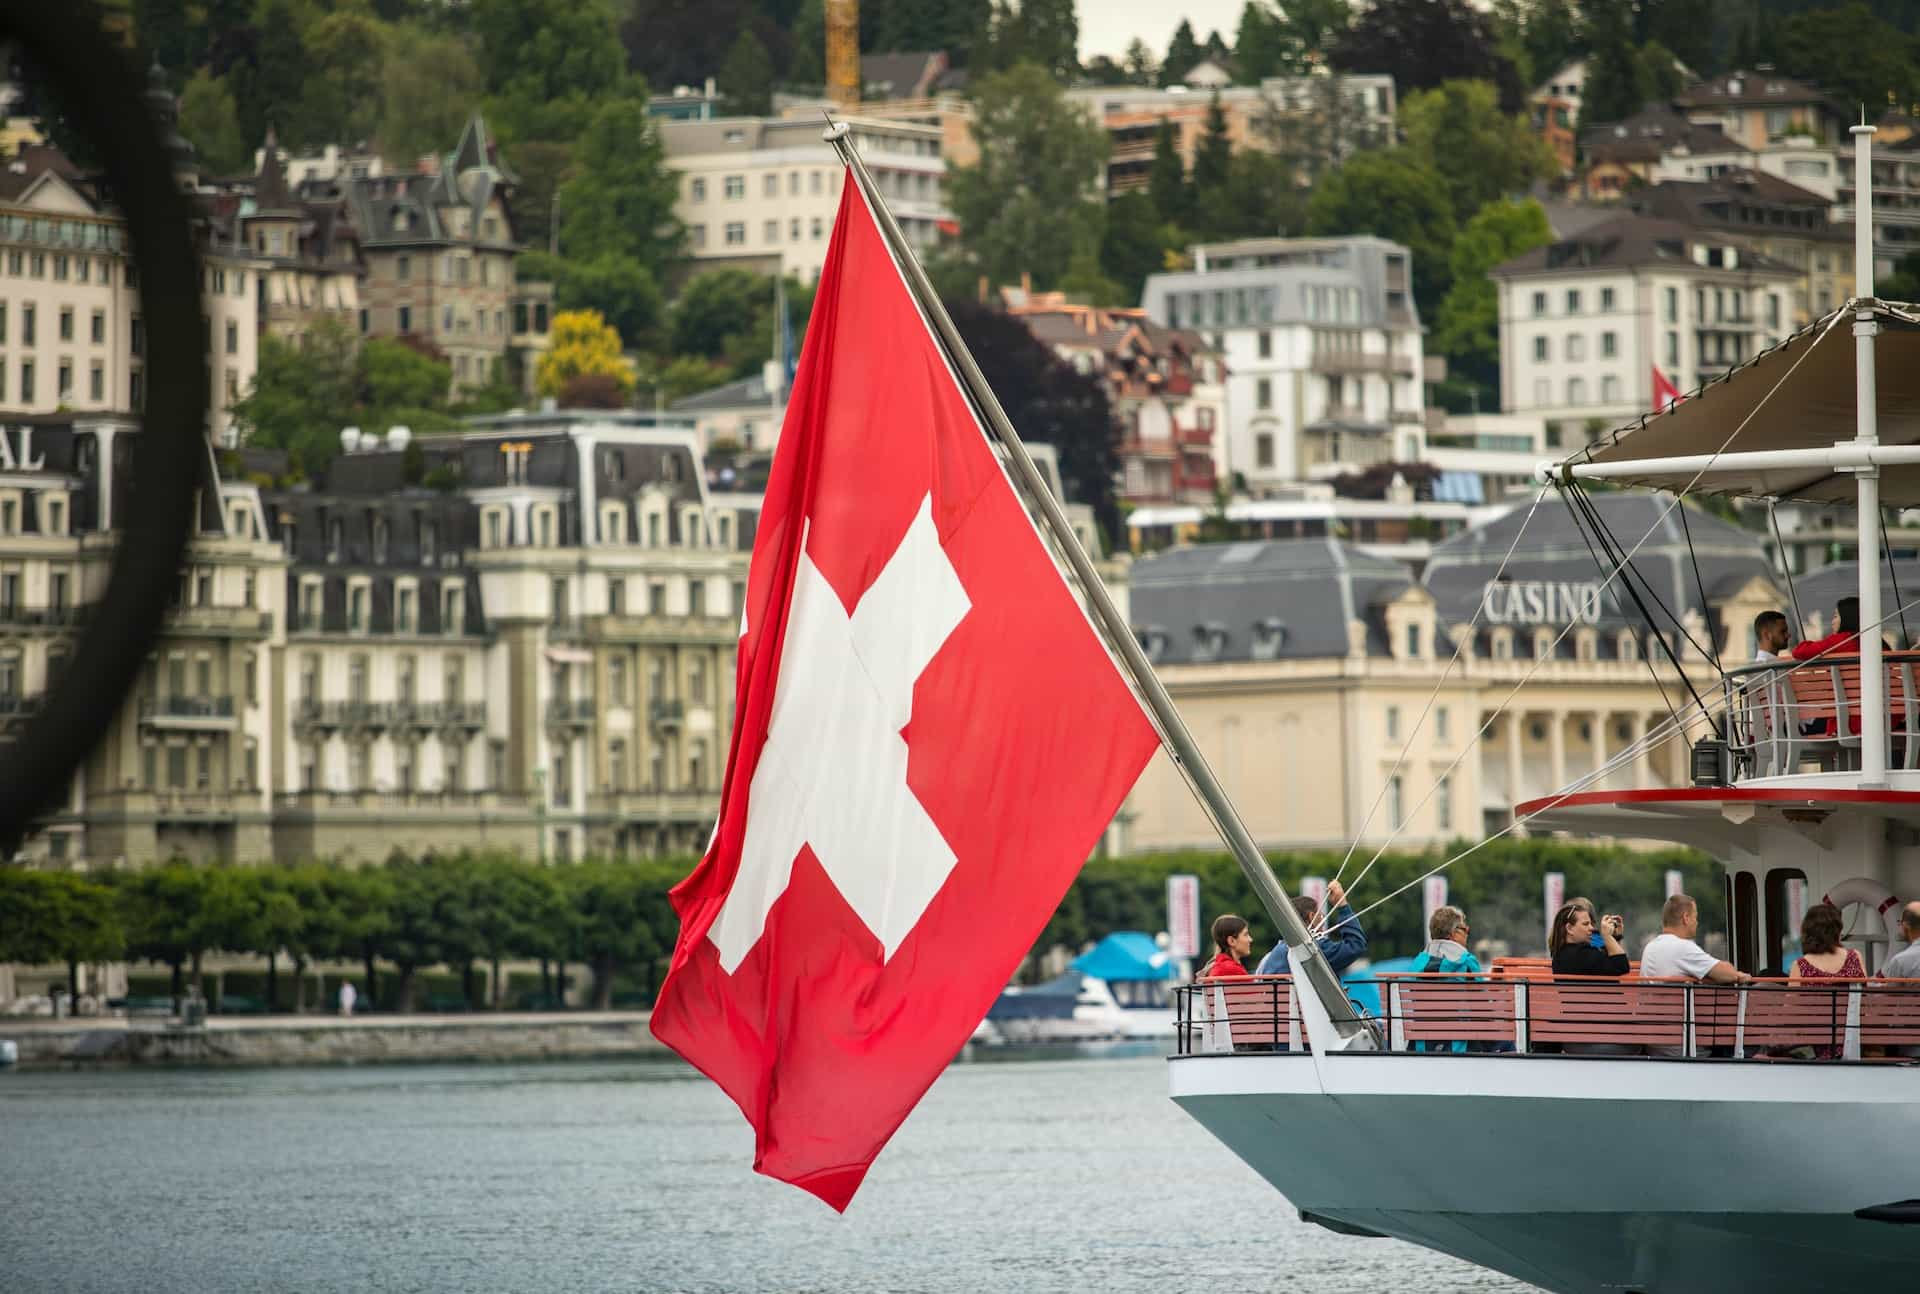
(1796, 395)
(1125, 954)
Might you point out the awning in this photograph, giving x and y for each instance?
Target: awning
(1458, 487)
(1798, 395)
(1125, 955)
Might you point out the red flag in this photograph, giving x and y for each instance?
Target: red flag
(1665, 393)
(928, 741)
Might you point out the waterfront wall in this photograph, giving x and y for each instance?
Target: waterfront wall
(332, 1040)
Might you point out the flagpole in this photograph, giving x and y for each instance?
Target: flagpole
(1303, 952)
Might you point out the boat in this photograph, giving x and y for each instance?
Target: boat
(1714, 1159)
(1116, 990)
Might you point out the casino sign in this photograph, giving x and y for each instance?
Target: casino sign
(1542, 602)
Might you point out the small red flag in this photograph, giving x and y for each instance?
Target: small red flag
(1665, 393)
(929, 740)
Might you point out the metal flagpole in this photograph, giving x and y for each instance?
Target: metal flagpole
(1303, 952)
(1873, 679)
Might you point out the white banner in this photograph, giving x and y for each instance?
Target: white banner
(1183, 916)
(1315, 888)
(1675, 882)
(1554, 886)
(1435, 898)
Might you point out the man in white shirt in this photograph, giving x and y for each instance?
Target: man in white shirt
(1771, 634)
(1672, 954)
(1905, 964)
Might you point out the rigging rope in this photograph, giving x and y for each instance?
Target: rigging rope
(1459, 645)
(1780, 548)
(1474, 740)
(1886, 546)
(1713, 640)
(1601, 565)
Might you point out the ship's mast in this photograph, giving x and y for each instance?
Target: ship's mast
(1873, 679)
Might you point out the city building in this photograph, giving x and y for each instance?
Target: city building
(1323, 351)
(1333, 114)
(760, 193)
(1165, 387)
(743, 414)
(1774, 217)
(1554, 122)
(310, 266)
(1566, 86)
(439, 247)
(519, 637)
(1304, 667)
(1759, 108)
(1620, 156)
(1484, 458)
(1586, 320)
(1400, 527)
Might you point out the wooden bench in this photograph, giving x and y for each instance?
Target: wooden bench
(1890, 1017)
(1429, 1011)
(1604, 1011)
(1534, 967)
(1259, 1009)
(1827, 690)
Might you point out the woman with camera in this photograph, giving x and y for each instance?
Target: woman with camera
(1572, 943)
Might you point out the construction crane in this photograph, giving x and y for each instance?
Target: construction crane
(843, 53)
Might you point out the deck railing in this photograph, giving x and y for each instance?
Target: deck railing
(1784, 716)
(1767, 1020)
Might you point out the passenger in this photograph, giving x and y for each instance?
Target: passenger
(1771, 634)
(1823, 957)
(1845, 638)
(1234, 939)
(1594, 914)
(1905, 964)
(1342, 946)
(1571, 943)
(1446, 953)
(1672, 954)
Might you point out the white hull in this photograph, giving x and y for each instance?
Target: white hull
(1588, 1174)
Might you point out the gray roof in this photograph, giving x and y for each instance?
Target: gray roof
(1280, 599)
(1553, 549)
(741, 392)
(1632, 242)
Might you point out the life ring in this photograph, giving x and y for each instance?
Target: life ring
(1873, 894)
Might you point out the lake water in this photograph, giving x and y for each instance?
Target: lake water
(1045, 1175)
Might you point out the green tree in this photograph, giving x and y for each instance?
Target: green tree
(616, 910)
(1183, 52)
(267, 87)
(583, 344)
(808, 67)
(1617, 84)
(544, 165)
(1686, 28)
(158, 907)
(167, 32)
(1853, 53)
(1467, 330)
(1141, 66)
(361, 904)
(1664, 75)
(746, 78)
(429, 86)
(1480, 153)
(1134, 243)
(396, 376)
(300, 391)
(1386, 192)
(622, 289)
(549, 65)
(1167, 176)
(1262, 199)
(1422, 43)
(340, 96)
(621, 199)
(714, 310)
(1033, 197)
(57, 917)
(1261, 45)
(211, 123)
(1050, 36)
(1213, 159)
(1313, 28)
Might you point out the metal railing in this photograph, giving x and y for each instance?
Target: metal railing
(1765, 1020)
(1783, 715)
(577, 710)
(186, 707)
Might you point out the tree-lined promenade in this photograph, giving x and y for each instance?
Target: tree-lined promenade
(406, 918)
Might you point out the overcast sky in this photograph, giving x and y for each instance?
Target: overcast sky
(1107, 26)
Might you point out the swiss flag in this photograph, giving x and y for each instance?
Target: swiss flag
(1665, 393)
(928, 741)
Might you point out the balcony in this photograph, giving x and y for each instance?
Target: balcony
(451, 804)
(367, 715)
(667, 715)
(220, 622)
(1194, 437)
(655, 806)
(577, 712)
(55, 619)
(189, 713)
(1339, 363)
(1407, 418)
(659, 629)
(1135, 447)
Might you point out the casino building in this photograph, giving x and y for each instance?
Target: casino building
(1304, 667)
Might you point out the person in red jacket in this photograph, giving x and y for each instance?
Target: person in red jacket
(1843, 641)
(1234, 938)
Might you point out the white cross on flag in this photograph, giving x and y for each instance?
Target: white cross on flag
(928, 741)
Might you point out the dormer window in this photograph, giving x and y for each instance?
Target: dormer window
(336, 539)
(1209, 641)
(1269, 636)
(1153, 641)
(1543, 643)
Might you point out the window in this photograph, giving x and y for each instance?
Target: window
(736, 186)
(1441, 718)
(1413, 640)
(1573, 301)
(1263, 393)
(97, 382)
(29, 315)
(26, 381)
(697, 680)
(233, 338)
(1393, 723)
(57, 525)
(1443, 804)
(98, 323)
(357, 608)
(1396, 806)
(403, 610)
(66, 323)
(736, 233)
(1266, 344)
(697, 190)
(698, 233)
(617, 597)
(617, 680)
(1576, 347)
(453, 610)
(1610, 390)
(770, 186)
(403, 268)
(1673, 350)
(1576, 390)
(1670, 305)
(1609, 345)
(770, 232)
(793, 230)
(818, 228)
(1539, 304)
(1540, 350)
(1606, 299)
(560, 600)
(357, 678)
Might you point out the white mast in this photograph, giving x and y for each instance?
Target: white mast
(1873, 679)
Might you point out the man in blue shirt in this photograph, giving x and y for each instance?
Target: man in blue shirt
(1343, 945)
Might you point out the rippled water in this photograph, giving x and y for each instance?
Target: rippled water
(1037, 1175)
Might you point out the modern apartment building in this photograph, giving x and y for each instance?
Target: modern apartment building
(760, 193)
(1585, 321)
(520, 636)
(1323, 352)
(1771, 216)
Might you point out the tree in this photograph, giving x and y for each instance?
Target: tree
(1480, 153)
(211, 123)
(746, 77)
(549, 65)
(340, 97)
(157, 907)
(429, 86)
(617, 910)
(1142, 68)
(1312, 28)
(1386, 192)
(1033, 196)
(396, 376)
(1314, 126)
(1467, 329)
(1617, 84)
(808, 67)
(1134, 243)
(544, 166)
(301, 390)
(621, 200)
(267, 83)
(1047, 399)
(618, 286)
(1167, 177)
(1684, 28)
(1422, 43)
(166, 32)
(1853, 53)
(1050, 36)
(1183, 52)
(1212, 159)
(714, 310)
(1260, 46)
(582, 343)
(1262, 199)
(57, 917)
